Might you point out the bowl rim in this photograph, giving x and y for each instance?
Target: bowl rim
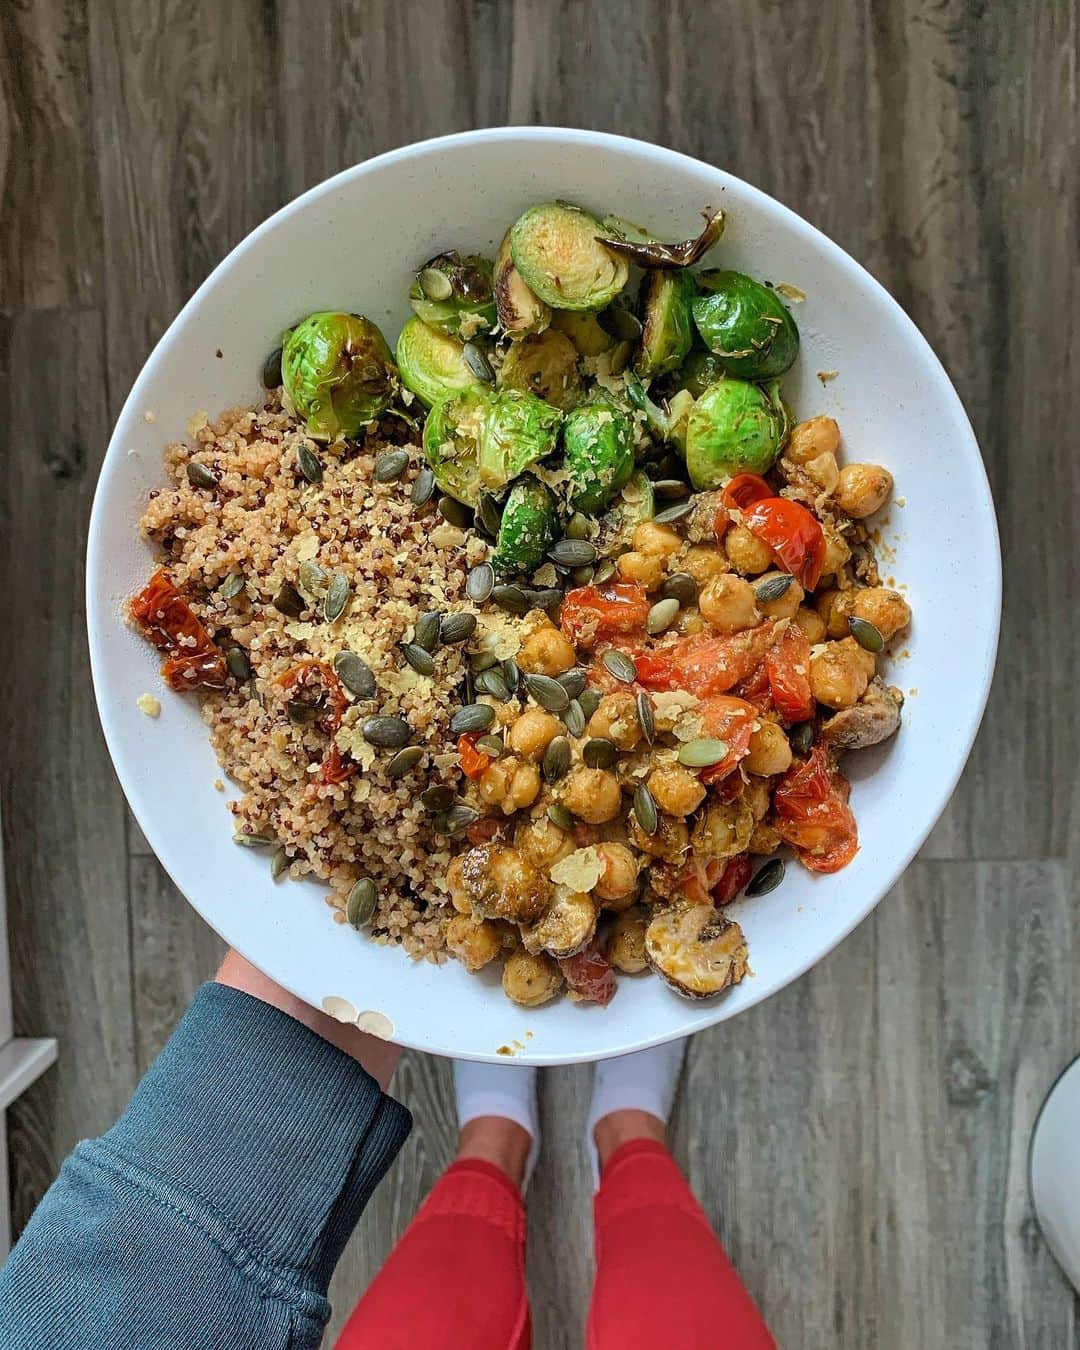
(939, 790)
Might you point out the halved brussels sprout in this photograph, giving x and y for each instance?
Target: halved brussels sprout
(545, 364)
(519, 310)
(636, 502)
(555, 248)
(668, 327)
(696, 951)
(668, 423)
(529, 527)
(584, 331)
(455, 294)
(734, 427)
(744, 324)
(645, 250)
(338, 373)
(432, 364)
(598, 444)
(478, 442)
(700, 369)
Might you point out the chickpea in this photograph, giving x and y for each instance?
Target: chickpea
(887, 610)
(703, 562)
(655, 541)
(818, 436)
(689, 623)
(764, 840)
(644, 568)
(593, 795)
(543, 843)
(618, 881)
(756, 796)
(509, 784)
(546, 652)
(812, 624)
(616, 719)
(626, 949)
(459, 893)
(503, 884)
(473, 941)
(529, 979)
(837, 553)
(670, 842)
(532, 733)
(746, 553)
(863, 489)
(823, 470)
(784, 606)
(770, 752)
(727, 602)
(834, 608)
(840, 673)
(675, 789)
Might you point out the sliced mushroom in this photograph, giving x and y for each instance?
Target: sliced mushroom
(626, 946)
(501, 883)
(565, 928)
(530, 980)
(695, 950)
(872, 720)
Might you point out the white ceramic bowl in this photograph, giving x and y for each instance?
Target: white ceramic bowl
(352, 243)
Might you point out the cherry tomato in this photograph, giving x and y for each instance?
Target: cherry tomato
(697, 879)
(193, 658)
(812, 814)
(589, 973)
(705, 665)
(592, 612)
(733, 878)
(731, 720)
(473, 761)
(794, 535)
(787, 666)
(756, 689)
(744, 491)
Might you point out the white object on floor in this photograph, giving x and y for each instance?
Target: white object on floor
(643, 1081)
(507, 1090)
(1054, 1167)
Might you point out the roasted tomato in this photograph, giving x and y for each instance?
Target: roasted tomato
(594, 612)
(473, 761)
(731, 720)
(705, 665)
(734, 877)
(744, 491)
(793, 534)
(193, 658)
(812, 813)
(336, 767)
(787, 666)
(589, 973)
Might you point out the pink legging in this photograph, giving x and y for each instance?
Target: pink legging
(456, 1280)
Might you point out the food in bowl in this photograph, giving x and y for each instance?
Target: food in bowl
(531, 637)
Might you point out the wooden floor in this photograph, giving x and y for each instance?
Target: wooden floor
(859, 1140)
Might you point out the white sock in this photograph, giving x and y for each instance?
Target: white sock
(643, 1081)
(499, 1090)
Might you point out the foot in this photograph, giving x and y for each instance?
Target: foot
(497, 1112)
(632, 1099)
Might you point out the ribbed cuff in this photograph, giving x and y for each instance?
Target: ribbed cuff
(265, 1125)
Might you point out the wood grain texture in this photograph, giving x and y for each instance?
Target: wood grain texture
(859, 1140)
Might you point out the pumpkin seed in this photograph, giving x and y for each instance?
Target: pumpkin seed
(492, 682)
(700, 753)
(581, 576)
(671, 489)
(600, 753)
(590, 701)
(457, 627)
(480, 661)
(802, 737)
(288, 600)
(473, 717)
(426, 632)
(390, 466)
(476, 360)
(279, 862)
(200, 476)
(672, 513)
(405, 761)
(645, 716)
(620, 665)
(360, 903)
(557, 758)
(438, 797)
(308, 463)
(645, 809)
(560, 816)
(603, 571)
(578, 526)
(336, 598)
(491, 745)
(271, 371)
(354, 674)
(766, 878)
(661, 616)
(545, 598)
(237, 661)
(420, 660)
(573, 553)
(458, 818)
(313, 578)
(423, 488)
(232, 586)
(574, 718)
(866, 635)
(680, 586)
(774, 588)
(388, 733)
(480, 583)
(302, 714)
(573, 681)
(620, 323)
(488, 515)
(547, 692)
(468, 688)
(511, 598)
(511, 673)
(436, 285)
(253, 840)
(455, 512)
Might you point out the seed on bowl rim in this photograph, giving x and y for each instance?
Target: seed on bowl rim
(476, 359)
(456, 627)
(680, 586)
(309, 463)
(390, 466)
(423, 488)
(866, 635)
(556, 761)
(560, 816)
(201, 477)
(271, 371)
(388, 733)
(355, 674)
(620, 665)
(279, 862)
(661, 616)
(599, 753)
(473, 717)
(360, 902)
(418, 657)
(645, 809)
(774, 587)
(766, 878)
(549, 693)
(480, 583)
(645, 716)
(336, 597)
(405, 761)
(574, 718)
(255, 839)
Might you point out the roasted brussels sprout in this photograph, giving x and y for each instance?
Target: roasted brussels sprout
(519, 310)
(455, 294)
(734, 427)
(696, 950)
(635, 503)
(545, 364)
(529, 527)
(700, 369)
(666, 423)
(744, 324)
(598, 444)
(555, 247)
(432, 364)
(479, 442)
(630, 241)
(338, 373)
(584, 331)
(667, 325)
